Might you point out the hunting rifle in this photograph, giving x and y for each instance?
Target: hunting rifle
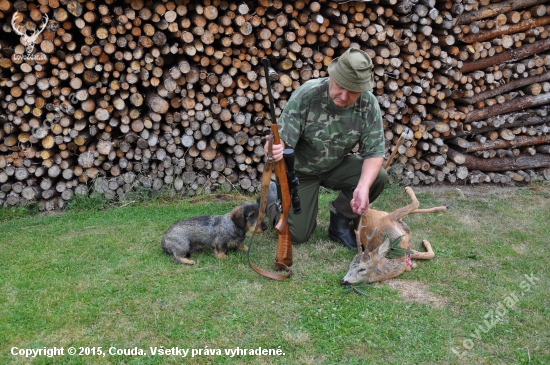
(287, 193)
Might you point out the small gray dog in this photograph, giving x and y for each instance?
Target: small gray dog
(219, 232)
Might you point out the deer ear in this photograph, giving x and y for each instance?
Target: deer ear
(383, 249)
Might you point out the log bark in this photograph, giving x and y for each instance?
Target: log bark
(510, 106)
(518, 141)
(495, 9)
(511, 85)
(506, 164)
(518, 121)
(515, 54)
(506, 29)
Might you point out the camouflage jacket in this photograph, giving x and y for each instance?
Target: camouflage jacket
(322, 133)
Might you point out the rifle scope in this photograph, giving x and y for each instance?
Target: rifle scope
(293, 182)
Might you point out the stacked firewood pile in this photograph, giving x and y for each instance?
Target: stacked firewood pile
(503, 91)
(109, 96)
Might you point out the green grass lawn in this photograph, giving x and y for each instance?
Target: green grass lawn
(98, 278)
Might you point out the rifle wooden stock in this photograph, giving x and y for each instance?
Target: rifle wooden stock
(283, 257)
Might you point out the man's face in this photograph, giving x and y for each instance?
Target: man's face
(341, 97)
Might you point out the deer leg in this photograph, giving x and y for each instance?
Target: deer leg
(441, 208)
(399, 214)
(428, 255)
(411, 193)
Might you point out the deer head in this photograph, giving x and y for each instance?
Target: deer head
(364, 264)
(28, 40)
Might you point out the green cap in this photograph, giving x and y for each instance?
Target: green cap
(352, 70)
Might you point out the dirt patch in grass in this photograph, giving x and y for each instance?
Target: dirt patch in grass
(520, 249)
(416, 292)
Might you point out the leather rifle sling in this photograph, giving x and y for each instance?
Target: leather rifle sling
(266, 180)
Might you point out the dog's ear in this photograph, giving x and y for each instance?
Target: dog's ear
(238, 216)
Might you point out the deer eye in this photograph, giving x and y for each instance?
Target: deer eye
(361, 270)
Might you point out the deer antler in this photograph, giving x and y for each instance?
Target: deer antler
(44, 25)
(358, 235)
(29, 40)
(367, 241)
(14, 25)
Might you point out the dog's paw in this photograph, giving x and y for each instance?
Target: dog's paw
(186, 261)
(221, 255)
(243, 248)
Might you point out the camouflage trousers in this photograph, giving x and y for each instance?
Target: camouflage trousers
(344, 177)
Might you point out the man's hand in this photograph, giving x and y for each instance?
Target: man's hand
(360, 202)
(276, 151)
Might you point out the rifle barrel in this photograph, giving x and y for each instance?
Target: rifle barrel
(267, 64)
